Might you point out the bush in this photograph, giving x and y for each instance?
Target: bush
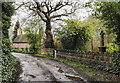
(46, 54)
(20, 51)
(9, 68)
(111, 47)
(57, 44)
(9, 65)
(116, 68)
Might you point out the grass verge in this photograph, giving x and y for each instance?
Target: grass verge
(20, 51)
(86, 69)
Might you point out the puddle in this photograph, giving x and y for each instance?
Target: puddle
(72, 78)
(59, 70)
(57, 66)
(31, 75)
(47, 63)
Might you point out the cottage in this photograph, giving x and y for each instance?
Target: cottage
(20, 41)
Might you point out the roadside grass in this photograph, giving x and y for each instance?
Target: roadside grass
(20, 51)
(86, 69)
(99, 75)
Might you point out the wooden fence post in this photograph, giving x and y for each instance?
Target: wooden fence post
(54, 53)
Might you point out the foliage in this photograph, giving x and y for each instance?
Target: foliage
(73, 35)
(87, 69)
(20, 51)
(111, 47)
(7, 12)
(116, 68)
(49, 11)
(95, 26)
(110, 13)
(34, 34)
(57, 44)
(15, 30)
(9, 63)
(9, 68)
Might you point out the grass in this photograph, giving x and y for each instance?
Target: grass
(86, 69)
(83, 67)
(20, 51)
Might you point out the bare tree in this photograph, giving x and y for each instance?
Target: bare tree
(50, 10)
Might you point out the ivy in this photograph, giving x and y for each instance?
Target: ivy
(116, 68)
(9, 62)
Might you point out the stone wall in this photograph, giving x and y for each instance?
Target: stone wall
(90, 58)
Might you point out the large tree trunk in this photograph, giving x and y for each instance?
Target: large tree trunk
(49, 43)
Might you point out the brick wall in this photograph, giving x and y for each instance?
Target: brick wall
(20, 45)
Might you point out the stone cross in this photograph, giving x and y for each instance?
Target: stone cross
(102, 38)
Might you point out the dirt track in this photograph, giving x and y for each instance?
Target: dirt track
(43, 69)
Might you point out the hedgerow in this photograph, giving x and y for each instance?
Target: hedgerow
(9, 63)
(20, 51)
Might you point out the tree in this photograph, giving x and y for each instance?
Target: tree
(51, 11)
(73, 35)
(34, 34)
(96, 26)
(110, 13)
(15, 30)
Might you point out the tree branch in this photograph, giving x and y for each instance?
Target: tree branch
(60, 15)
(39, 13)
(21, 5)
(39, 7)
(59, 19)
(47, 6)
(59, 6)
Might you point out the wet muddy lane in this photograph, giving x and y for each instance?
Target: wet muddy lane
(41, 69)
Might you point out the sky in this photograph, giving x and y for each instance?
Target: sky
(82, 14)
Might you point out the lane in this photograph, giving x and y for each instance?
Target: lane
(41, 69)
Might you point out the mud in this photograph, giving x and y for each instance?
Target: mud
(59, 70)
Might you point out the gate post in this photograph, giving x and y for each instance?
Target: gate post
(54, 53)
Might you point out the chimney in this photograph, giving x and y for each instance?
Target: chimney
(19, 31)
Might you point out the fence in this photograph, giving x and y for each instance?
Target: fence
(91, 58)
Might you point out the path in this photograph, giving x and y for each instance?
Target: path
(43, 69)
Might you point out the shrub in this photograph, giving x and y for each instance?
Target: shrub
(9, 68)
(111, 47)
(46, 54)
(57, 44)
(20, 51)
(116, 68)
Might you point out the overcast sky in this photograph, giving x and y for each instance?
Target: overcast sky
(82, 14)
